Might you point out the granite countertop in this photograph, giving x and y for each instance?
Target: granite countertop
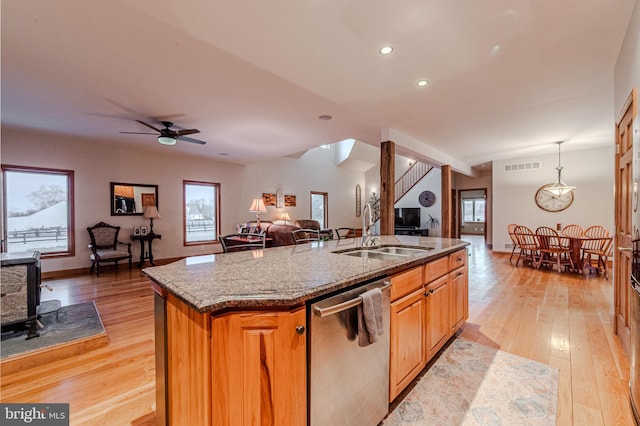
(285, 276)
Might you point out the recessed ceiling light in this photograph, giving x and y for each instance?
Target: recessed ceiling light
(324, 117)
(223, 153)
(385, 50)
(422, 83)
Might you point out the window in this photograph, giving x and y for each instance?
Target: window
(473, 210)
(319, 208)
(201, 212)
(38, 213)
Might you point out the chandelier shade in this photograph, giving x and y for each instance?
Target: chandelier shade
(559, 188)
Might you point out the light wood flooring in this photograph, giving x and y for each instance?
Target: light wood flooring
(564, 320)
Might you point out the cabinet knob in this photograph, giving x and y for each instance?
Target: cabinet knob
(426, 294)
(300, 329)
(431, 291)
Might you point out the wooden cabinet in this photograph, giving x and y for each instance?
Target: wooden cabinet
(259, 360)
(407, 355)
(428, 305)
(240, 368)
(437, 319)
(458, 283)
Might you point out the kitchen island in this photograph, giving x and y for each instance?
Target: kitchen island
(230, 328)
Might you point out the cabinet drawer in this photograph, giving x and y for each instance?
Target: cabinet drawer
(457, 259)
(435, 269)
(406, 282)
(437, 283)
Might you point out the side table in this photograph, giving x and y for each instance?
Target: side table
(143, 253)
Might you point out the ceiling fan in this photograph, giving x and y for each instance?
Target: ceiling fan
(167, 136)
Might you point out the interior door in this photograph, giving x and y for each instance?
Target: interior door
(625, 203)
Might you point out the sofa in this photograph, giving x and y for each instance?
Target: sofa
(280, 234)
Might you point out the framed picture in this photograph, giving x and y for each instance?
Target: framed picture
(289, 200)
(143, 230)
(136, 230)
(269, 199)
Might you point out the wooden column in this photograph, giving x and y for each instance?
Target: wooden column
(387, 187)
(447, 213)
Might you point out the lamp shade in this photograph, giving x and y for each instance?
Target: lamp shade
(285, 216)
(151, 212)
(257, 206)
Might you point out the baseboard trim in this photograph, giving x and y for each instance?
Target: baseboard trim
(69, 273)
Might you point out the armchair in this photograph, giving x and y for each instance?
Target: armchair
(325, 234)
(105, 246)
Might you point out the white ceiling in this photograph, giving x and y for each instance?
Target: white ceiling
(507, 77)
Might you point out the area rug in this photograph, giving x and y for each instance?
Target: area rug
(472, 384)
(63, 326)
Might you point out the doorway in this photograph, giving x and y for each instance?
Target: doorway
(472, 212)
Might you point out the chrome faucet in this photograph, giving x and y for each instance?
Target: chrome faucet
(367, 223)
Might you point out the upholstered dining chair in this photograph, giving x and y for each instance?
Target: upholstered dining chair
(241, 241)
(553, 249)
(105, 246)
(302, 235)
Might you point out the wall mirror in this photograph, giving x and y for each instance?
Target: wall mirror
(132, 198)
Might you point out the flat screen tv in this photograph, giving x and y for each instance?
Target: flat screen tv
(408, 217)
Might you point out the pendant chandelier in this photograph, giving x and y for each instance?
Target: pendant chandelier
(559, 188)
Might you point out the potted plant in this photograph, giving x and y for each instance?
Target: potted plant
(432, 221)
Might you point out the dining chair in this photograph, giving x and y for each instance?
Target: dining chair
(345, 233)
(305, 235)
(554, 249)
(510, 229)
(598, 245)
(529, 249)
(241, 241)
(573, 230)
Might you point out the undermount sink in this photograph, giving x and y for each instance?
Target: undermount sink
(405, 251)
(385, 252)
(374, 254)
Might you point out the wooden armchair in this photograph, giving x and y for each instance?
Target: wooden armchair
(105, 246)
(242, 241)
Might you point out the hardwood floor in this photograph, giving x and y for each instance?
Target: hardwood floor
(564, 320)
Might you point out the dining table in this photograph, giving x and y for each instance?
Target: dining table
(577, 242)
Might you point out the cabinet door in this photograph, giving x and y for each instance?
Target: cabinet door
(259, 364)
(438, 324)
(459, 304)
(407, 330)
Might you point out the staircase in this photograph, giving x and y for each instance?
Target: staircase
(408, 180)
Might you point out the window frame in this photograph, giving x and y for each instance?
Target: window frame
(325, 196)
(474, 202)
(216, 186)
(71, 237)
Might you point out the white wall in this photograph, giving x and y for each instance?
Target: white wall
(314, 171)
(96, 165)
(627, 69)
(433, 182)
(590, 171)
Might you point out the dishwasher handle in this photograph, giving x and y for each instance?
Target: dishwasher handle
(325, 312)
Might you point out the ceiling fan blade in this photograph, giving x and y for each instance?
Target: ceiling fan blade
(192, 140)
(186, 132)
(149, 126)
(138, 133)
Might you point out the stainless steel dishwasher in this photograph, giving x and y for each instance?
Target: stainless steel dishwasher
(348, 384)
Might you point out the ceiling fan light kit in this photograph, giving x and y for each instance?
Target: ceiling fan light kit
(166, 140)
(168, 136)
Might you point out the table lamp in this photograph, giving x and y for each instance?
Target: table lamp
(285, 217)
(151, 212)
(257, 207)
